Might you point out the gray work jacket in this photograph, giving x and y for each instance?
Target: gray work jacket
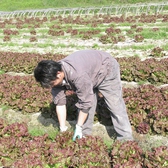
(84, 70)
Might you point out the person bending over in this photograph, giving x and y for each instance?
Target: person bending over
(86, 72)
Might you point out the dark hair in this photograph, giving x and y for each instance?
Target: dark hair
(46, 71)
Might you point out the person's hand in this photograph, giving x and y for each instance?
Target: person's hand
(77, 133)
(63, 129)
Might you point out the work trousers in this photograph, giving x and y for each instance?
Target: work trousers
(111, 89)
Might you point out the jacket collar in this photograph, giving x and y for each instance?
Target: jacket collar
(65, 69)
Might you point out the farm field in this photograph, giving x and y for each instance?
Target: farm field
(138, 42)
(131, 35)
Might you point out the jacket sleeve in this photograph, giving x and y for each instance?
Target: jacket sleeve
(59, 97)
(84, 91)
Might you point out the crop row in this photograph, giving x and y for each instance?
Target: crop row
(150, 70)
(132, 68)
(147, 105)
(19, 149)
(112, 35)
(96, 19)
(62, 26)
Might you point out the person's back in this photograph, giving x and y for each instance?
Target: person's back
(94, 63)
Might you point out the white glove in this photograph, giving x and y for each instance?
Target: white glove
(63, 129)
(77, 133)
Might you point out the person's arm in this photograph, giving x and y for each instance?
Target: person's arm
(81, 118)
(59, 100)
(61, 114)
(84, 91)
(78, 130)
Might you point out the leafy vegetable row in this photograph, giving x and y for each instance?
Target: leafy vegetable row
(36, 22)
(147, 105)
(150, 70)
(69, 25)
(19, 149)
(24, 62)
(132, 68)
